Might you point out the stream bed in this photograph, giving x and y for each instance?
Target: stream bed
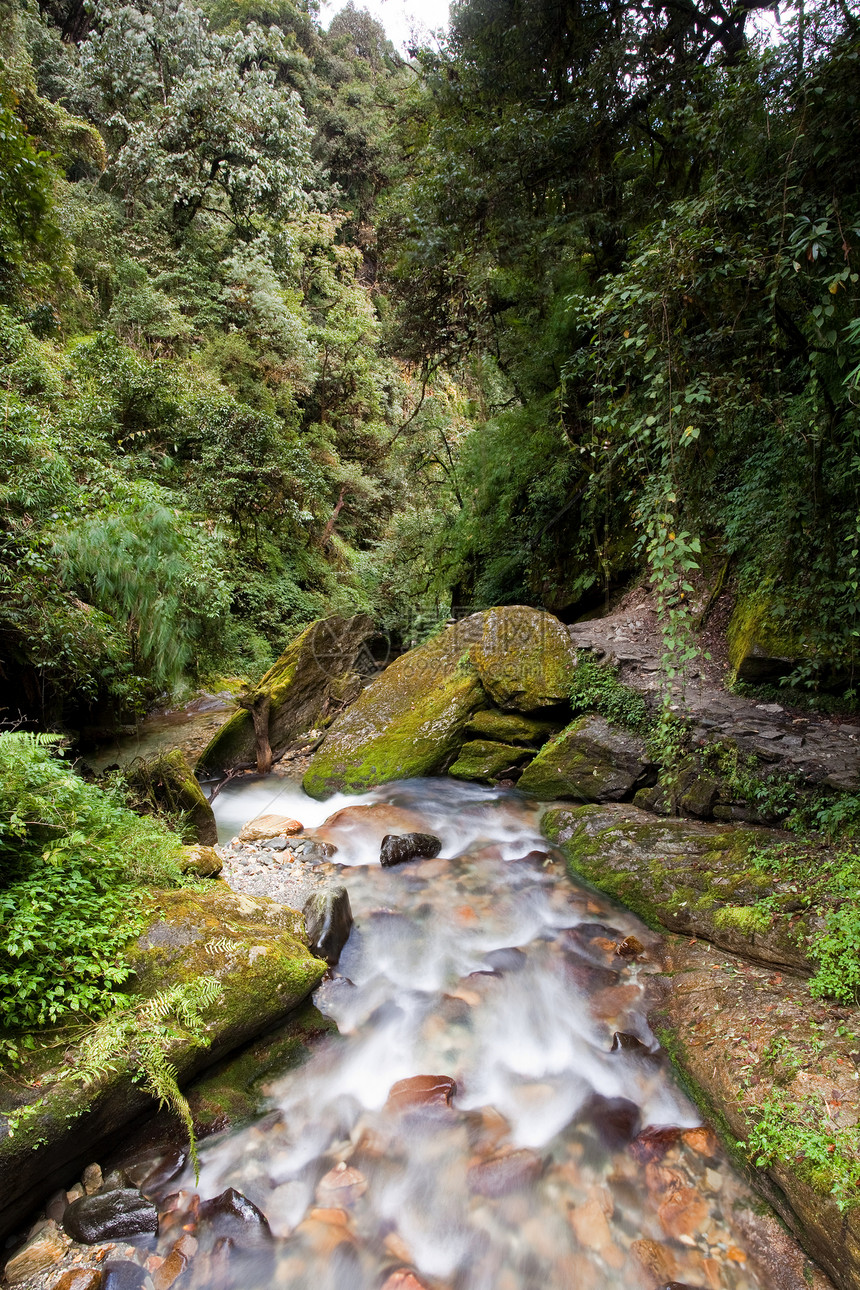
(547, 1144)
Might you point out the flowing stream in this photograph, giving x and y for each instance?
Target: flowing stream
(567, 1157)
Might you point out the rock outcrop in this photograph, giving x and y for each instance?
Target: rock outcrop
(691, 878)
(589, 761)
(412, 720)
(315, 670)
(255, 949)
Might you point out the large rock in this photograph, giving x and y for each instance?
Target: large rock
(589, 761)
(524, 658)
(293, 695)
(168, 781)
(760, 647)
(746, 1038)
(511, 728)
(692, 878)
(328, 922)
(484, 761)
(110, 1215)
(411, 720)
(254, 948)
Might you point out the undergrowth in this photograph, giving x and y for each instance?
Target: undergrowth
(596, 688)
(795, 1133)
(73, 862)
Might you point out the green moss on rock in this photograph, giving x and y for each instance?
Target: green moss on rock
(316, 666)
(484, 761)
(256, 950)
(761, 648)
(683, 876)
(409, 722)
(510, 728)
(524, 658)
(589, 761)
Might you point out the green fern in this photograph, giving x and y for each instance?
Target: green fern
(142, 1036)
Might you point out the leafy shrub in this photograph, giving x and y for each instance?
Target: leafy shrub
(597, 689)
(73, 858)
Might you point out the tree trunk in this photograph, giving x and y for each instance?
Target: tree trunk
(259, 709)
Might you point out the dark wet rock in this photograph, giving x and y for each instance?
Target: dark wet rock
(122, 1274)
(292, 696)
(506, 960)
(397, 849)
(116, 1180)
(615, 1119)
(232, 1215)
(587, 976)
(653, 1143)
(507, 1171)
(56, 1206)
(421, 1091)
(622, 1042)
(109, 1216)
(630, 948)
(589, 761)
(153, 1166)
(328, 922)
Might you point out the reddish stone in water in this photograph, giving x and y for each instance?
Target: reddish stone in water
(703, 1141)
(683, 1212)
(342, 1185)
(657, 1262)
(653, 1144)
(420, 1091)
(505, 1172)
(79, 1279)
(173, 1266)
(630, 948)
(403, 1280)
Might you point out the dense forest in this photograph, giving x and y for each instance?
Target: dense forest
(560, 304)
(292, 324)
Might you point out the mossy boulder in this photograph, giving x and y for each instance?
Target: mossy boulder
(761, 648)
(205, 862)
(484, 761)
(256, 950)
(692, 878)
(412, 719)
(524, 658)
(169, 782)
(407, 723)
(293, 696)
(510, 728)
(589, 761)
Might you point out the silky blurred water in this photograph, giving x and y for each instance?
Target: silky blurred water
(490, 966)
